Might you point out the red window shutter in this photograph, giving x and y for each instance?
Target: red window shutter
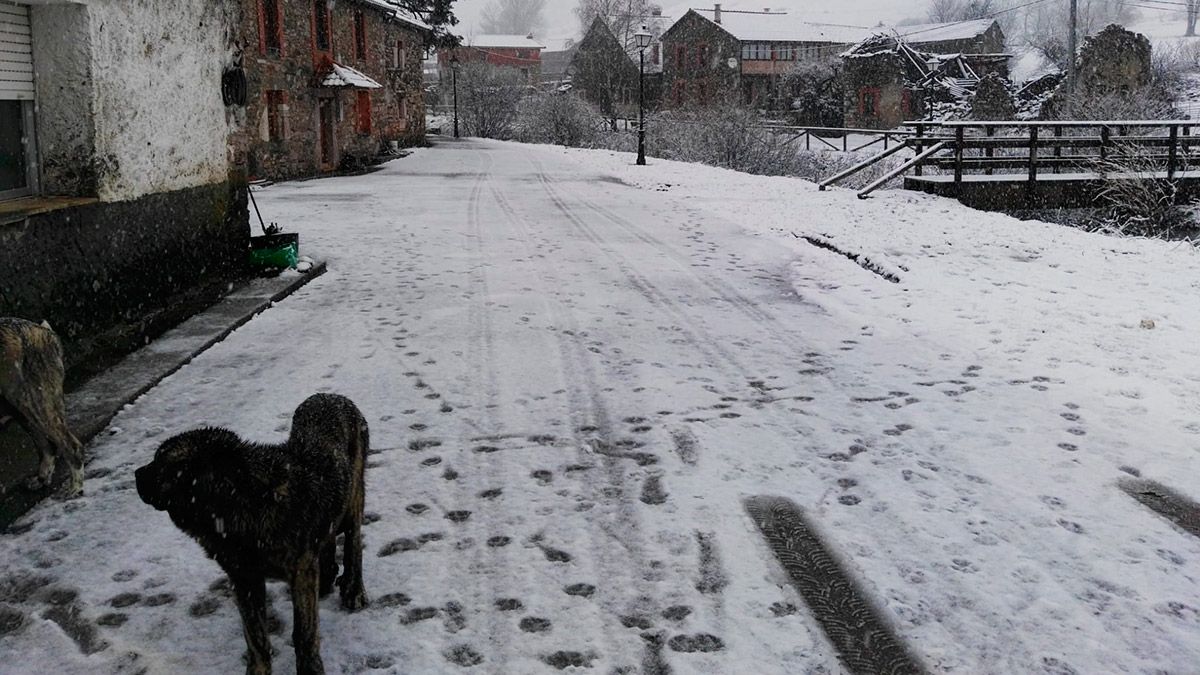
(364, 112)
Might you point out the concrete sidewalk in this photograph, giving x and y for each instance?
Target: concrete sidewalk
(94, 404)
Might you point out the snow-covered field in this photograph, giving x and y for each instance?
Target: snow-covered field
(576, 369)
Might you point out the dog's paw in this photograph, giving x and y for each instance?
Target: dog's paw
(71, 488)
(354, 601)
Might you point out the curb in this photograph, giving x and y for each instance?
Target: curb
(94, 404)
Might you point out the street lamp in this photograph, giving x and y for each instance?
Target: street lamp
(454, 78)
(643, 39)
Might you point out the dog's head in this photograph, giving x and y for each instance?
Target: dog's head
(186, 468)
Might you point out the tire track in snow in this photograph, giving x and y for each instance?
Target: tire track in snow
(589, 411)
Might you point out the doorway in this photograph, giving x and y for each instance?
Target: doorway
(327, 123)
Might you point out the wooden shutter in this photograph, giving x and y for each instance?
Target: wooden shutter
(16, 53)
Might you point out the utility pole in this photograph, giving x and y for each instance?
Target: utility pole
(1073, 46)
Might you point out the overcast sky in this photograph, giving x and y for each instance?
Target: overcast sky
(561, 22)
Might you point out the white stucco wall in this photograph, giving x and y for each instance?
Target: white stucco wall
(159, 121)
(62, 48)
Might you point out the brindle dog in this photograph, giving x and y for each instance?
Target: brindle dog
(31, 392)
(273, 511)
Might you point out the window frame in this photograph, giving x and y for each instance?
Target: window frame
(322, 16)
(265, 47)
(873, 95)
(276, 101)
(360, 34)
(363, 123)
(30, 150)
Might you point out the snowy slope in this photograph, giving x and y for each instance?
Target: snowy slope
(599, 361)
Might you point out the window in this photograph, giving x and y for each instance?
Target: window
(363, 109)
(18, 148)
(360, 35)
(678, 91)
(702, 92)
(756, 51)
(655, 55)
(321, 38)
(681, 57)
(868, 102)
(270, 24)
(276, 115)
(701, 55)
(402, 112)
(399, 56)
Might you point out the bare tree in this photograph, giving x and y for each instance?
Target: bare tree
(489, 97)
(946, 11)
(514, 17)
(624, 17)
(1045, 26)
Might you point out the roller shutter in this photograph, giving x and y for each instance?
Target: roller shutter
(16, 53)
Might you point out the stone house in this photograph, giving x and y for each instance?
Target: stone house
(747, 56)
(521, 53)
(122, 208)
(606, 72)
(329, 84)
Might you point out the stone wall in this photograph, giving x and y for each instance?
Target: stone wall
(397, 110)
(876, 97)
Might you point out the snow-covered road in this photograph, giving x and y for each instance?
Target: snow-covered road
(576, 370)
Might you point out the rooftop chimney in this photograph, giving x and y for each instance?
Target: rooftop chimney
(717, 13)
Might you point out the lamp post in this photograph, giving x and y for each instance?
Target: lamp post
(454, 78)
(643, 38)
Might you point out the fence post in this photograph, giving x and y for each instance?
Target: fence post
(1033, 155)
(1105, 136)
(990, 152)
(920, 146)
(1172, 153)
(807, 139)
(959, 135)
(1058, 132)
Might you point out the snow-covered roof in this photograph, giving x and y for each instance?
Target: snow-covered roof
(784, 27)
(398, 14)
(941, 32)
(502, 42)
(781, 27)
(345, 76)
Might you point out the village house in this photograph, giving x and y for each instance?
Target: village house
(521, 53)
(606, 71)
(330, 85)
(122, 208)
(746, 56)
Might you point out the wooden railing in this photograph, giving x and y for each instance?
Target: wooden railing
(841, 139)
(1034, 147)
(1031, 149)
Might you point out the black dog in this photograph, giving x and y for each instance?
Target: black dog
(273, 511)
